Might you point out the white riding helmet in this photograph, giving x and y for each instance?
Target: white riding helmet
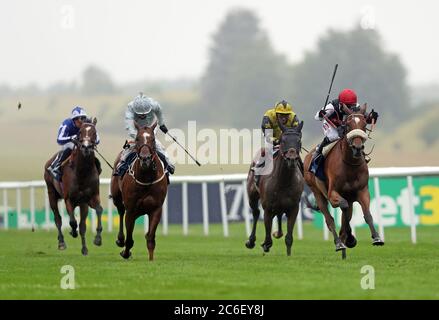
(142, 105)
(78, 112)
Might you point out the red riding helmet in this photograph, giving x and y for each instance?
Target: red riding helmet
(348, 97)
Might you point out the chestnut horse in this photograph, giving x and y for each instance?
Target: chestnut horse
(347, 177)
(142, 190)
(279, 190)
(79, 187)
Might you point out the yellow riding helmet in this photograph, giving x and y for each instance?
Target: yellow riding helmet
(283, 107)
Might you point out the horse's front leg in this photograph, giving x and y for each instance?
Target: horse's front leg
(83, 227)
(73, 224)
(130, 220)
(322, 203)
(268, 221)
(364, 200)
(155, 217)
(345, 231)
(95, 203)
(291, 220)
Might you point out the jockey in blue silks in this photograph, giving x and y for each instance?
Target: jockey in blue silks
(67, 131)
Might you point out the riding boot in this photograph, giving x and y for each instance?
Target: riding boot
(167, 163)
(320, 147)
(55, 168)
(124, 162)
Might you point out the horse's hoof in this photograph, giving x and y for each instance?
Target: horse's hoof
(124, 255)
(288, 252)
(250, 245)
(340, 246)
(266, 248)
(278, 234)
(84, 251)
(74, 233)
(343, 254)
(120, 243)
(377, 242)
(98, 241)
(62, 246)
(351, 242)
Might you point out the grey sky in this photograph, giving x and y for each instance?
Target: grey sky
(48, 40)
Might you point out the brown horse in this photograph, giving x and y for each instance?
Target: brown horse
(279, 191)
(347, 177)
(79, 187)
(140, 191)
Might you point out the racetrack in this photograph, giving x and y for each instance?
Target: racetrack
(214, 267)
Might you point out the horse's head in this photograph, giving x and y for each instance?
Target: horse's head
(356, 130)
(145, 145)
(87, 137)
(291, 143)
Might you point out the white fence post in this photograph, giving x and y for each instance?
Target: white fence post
(223, 209)
(185, 208)
(46, 209)
(246, 208)
(5, 210)
(32, 206)
(412, 208)
(299, 224)
(378, 207)
(18, 207)
(205, 203)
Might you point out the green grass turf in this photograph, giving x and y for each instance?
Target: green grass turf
(214, 267)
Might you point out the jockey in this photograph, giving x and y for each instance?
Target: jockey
(68, 131)
(144, 111)
(333, 115)
(282, 113)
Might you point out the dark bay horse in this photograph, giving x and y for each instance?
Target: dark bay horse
(278, 191)
(347, 177)
(79, 187)
(142, 190)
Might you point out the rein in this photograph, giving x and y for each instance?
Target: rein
(131, 168)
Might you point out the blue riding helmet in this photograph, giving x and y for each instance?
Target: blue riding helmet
(78, 112)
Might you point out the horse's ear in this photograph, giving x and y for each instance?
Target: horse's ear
(94, 120)
(346, 109)
(363, 108)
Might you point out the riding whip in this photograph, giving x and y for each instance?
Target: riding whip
(96, 149)
(330, 87)
(173, 138)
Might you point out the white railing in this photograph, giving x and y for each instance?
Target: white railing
(375, 174)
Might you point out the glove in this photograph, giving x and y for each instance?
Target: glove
(372, 115)
(322, 113)
(74, 137)
(163, 128)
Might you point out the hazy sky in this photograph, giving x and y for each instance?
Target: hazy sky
(48, 40)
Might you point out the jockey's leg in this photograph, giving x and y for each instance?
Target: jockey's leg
(122, 165)
(55, 167)
(164, 157)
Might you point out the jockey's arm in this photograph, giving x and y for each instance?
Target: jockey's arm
(326, 111)
(129, 122)
(266, 124)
